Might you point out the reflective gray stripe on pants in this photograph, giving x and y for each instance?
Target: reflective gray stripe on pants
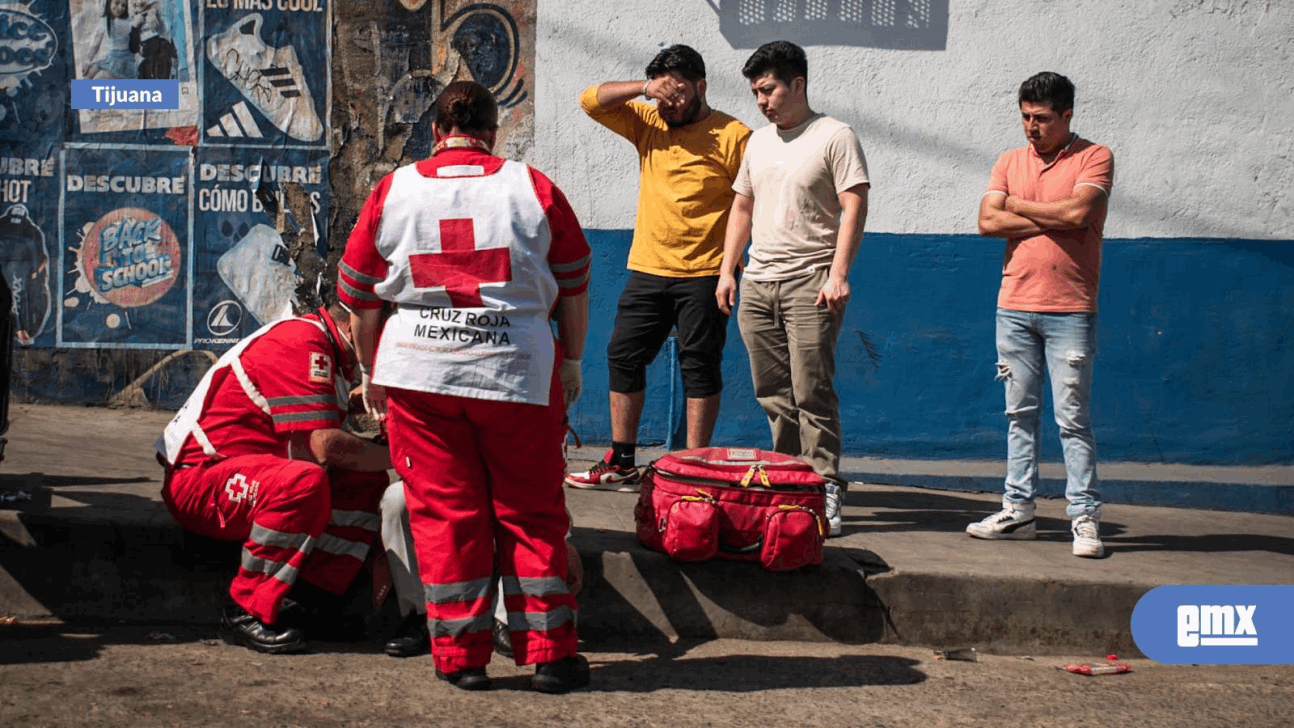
(361, 519)
(460, 627)
(341, 547)
(274, 569)
(269, 537)
(540, 621)
(534, 586)
(462, 591)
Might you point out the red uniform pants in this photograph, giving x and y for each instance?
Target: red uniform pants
(481, 476)
(295, 519)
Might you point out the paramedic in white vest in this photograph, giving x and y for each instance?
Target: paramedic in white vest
(478, 253)
(257, 455)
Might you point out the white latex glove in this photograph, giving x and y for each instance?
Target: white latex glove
(374, 396)
(572, 381)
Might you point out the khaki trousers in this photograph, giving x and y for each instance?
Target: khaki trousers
(792, 348)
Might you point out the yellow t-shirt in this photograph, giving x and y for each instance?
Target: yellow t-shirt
(685, 188)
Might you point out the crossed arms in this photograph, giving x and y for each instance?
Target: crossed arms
(1006, 216)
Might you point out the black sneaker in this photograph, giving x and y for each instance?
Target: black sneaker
(237, 627)
(502, 640)
(411, 638)
(469, 678)
(561, 676)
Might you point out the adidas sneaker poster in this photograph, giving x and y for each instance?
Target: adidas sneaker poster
(266, 75)
(125, 271)
(29, 236)
(122, 39)
(245, 272)
(34, 105)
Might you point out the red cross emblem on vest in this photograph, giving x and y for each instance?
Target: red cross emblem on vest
(459, 266)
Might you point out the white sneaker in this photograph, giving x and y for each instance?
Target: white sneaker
(1015, 523)
(270, 78)
(1087, 538)
(833, 510)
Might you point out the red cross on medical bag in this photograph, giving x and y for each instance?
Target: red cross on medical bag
(740, 504)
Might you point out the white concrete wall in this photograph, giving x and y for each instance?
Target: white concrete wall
(1195, 97)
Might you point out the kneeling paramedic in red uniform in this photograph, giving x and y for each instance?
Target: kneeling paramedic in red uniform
(477, 253)
(257, 455)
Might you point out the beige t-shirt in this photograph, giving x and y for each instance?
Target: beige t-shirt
(795, 177)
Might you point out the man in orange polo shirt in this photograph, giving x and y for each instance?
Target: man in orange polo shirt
(1048, 199)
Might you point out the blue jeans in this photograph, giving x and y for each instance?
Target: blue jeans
(1066, 342)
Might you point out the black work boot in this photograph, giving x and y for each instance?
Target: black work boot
(561, 676)
(237, 627)
(469, 678)
(411, 638)
(502, 640)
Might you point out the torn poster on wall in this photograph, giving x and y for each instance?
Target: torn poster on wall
(490, 43)
(125, 276)
(494, 45)
(246, 229)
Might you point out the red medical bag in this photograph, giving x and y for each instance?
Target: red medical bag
(733, 503)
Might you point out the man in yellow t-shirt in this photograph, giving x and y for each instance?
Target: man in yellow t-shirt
(689, 156)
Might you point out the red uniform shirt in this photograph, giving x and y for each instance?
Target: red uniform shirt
(362, 266)
(292, 367)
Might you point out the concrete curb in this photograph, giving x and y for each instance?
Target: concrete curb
(87, 569)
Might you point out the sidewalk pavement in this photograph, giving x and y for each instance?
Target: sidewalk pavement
(95, 542)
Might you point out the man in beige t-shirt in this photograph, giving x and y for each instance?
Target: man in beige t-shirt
(801, 196)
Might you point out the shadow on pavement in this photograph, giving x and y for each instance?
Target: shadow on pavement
(64, 481)
(671, 670)
(38, 642)
(633, 592)
(890, 512)
(1205, 543)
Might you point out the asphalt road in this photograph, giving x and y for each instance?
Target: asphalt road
(68, 675)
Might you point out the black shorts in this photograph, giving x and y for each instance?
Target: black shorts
(649, 309)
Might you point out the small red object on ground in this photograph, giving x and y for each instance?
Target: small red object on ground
(1115, 669)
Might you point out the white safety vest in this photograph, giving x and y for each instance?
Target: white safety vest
(185, 422)
(440, 339)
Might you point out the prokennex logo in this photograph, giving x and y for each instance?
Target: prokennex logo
(1216, 625)
(1225, 626)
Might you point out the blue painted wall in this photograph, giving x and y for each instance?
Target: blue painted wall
(1195, 359)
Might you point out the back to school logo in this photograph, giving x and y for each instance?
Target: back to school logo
(129, 257)
(1216, 625)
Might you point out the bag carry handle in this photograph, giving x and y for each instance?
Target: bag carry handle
(759, 544)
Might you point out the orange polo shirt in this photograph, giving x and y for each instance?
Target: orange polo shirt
(1058, 271)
